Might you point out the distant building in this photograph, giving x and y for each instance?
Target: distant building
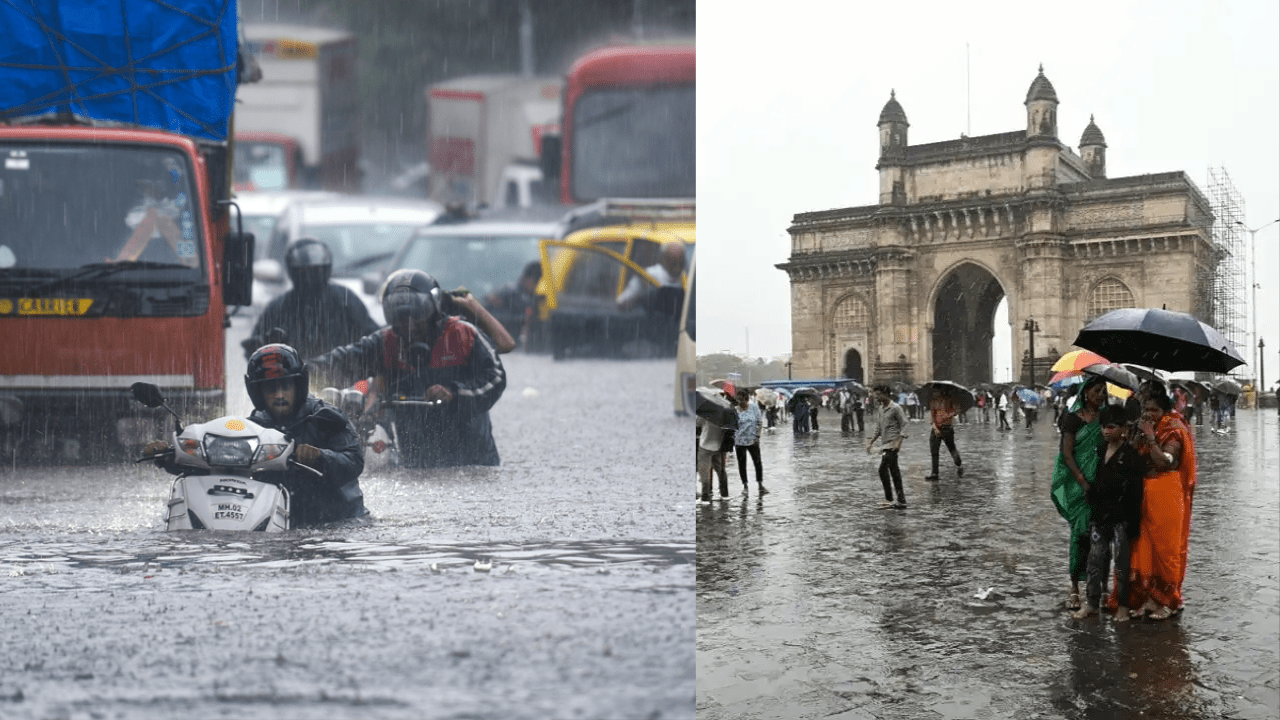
(907, 288)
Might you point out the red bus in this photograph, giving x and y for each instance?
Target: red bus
(628, 124)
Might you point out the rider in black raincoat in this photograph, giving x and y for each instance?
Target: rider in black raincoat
(427, 354)
(277, 382)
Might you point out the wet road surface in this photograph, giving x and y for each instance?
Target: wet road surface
(812, 602)
(582, 605)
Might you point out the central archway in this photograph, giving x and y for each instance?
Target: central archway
(964, 323)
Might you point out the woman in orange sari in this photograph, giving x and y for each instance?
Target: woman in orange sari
(1157, 560)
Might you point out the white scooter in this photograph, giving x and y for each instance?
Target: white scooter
(217, 489)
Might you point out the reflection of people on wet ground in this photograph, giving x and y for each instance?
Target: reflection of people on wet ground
(942, 411)
(711, 459)
(1074, 471)
(1115, 509)
(747, 440)
(154, 216)
(1158, 559)
(890, 423)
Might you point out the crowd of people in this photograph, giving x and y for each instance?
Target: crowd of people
(1124, 476)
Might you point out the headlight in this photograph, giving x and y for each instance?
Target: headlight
(268, 452)
(228, 452)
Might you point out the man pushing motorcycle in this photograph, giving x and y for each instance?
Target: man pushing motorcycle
(438, 373)
(277, 382)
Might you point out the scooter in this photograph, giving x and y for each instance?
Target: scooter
(218, 460)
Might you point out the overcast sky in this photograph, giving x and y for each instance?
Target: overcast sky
(789, 95)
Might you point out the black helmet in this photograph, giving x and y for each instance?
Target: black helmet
(309, 263)
(275, 362)
(410, 295)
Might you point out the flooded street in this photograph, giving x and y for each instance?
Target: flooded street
(812, 602)
(559, 584)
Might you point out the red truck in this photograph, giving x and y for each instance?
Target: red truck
(117, 259)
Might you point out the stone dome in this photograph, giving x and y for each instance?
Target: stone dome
(1092, 135)
(1041, 89)
(892, 112)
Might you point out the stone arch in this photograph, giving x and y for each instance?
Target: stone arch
(963, 308)
(1109, 293)
(849, 324)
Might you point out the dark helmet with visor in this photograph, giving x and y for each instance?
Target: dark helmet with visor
(309, 263)
(270, 363)
(410, 296)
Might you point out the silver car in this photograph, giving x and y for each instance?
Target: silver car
(362, 232)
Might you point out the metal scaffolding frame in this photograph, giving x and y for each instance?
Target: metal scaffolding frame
(1227, 308)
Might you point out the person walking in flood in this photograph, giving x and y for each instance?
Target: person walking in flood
(890, 423)
(1074, 471)
(942, 410)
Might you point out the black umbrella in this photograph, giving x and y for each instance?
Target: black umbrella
(856, 388)
(1197, 390)
(958, 394)
(807, 393)
(1163, 339)
(1227, 386)
(1113, 374)
(715, 408)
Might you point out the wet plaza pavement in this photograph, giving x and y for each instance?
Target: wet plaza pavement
(812, 602)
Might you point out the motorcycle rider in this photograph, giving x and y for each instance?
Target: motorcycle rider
(314, 316)
(427, 353)
(277, 381)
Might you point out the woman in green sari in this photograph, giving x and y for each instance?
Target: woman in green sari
(1074, 470)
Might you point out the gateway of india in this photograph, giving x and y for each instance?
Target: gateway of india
(907, 289)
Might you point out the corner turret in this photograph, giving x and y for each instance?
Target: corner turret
(1093, 150)
(1042, 108)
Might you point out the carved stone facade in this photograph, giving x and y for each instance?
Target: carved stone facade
(908, 288)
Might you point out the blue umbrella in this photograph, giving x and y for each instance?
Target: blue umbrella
(1029, 396)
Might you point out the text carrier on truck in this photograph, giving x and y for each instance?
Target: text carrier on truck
(117, 262)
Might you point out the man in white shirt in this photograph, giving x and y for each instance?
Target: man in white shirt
(668, 271)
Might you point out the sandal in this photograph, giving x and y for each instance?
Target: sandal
(1073, 601)
(1164, 613)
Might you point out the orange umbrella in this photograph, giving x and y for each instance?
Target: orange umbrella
(1079, 360)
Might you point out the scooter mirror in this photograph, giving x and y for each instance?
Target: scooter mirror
(147, 394)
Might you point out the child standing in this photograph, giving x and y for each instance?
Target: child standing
(1115, 504)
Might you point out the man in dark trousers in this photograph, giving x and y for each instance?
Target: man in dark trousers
(890, 423)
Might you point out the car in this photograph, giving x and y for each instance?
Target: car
(361, 231)
(584, 274)
(480, 254)
(259, 211)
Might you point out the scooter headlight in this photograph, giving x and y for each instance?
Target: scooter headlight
(228, 452)
(268, 452)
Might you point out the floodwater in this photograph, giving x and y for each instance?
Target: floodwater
(812, 602)
(582, 603)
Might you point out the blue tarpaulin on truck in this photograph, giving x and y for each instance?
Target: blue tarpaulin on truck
(165, 65)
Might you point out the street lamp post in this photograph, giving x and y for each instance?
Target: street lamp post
(1032, 327)
(1253, 272)
(1262, 373)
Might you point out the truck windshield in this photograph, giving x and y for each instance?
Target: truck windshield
(634, 143)
(480, 264)
(71, 205)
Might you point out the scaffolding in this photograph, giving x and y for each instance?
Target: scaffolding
(1226, 307)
